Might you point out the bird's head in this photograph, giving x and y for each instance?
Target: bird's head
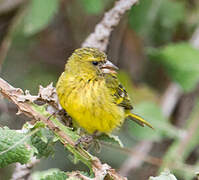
(90, 61)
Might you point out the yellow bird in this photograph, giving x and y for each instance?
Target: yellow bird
(91, 94)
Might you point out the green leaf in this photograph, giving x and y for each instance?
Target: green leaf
(156, 20)
(153, 114)
(78, 152)
(93, 6)
(171, 13)
(173, 156)
(111, 139)
(181, 63)
(139, 18)
(14, 147)
(44, 142)
(50, 174)
(39, 15)
(166, 175)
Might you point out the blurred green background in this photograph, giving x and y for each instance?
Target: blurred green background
(155, 47)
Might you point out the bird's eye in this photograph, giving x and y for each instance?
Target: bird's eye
(95, 63)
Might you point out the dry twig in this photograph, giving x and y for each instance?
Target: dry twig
(136, 160)
(22, 172)
(168, 103)
(100, 37)
(9, 5)
(14, 94)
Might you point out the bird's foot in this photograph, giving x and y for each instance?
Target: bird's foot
(85, 140)
(89, 140)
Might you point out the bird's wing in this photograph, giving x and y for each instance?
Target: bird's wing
(120, 95)
(121, 98)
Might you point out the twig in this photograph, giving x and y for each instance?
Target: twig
(168, 103)
(100, 37)
(151, 159)
(144, 146)
(136, 159)
(174, 92)
(8, 5)
(14, 94)
(195, 38)
(170, 99)
(193, 127)
(23, 171)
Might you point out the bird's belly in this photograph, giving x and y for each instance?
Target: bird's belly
(93, 110)
(95, 120)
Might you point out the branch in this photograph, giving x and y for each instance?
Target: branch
(9, 5)
(173, 91)
(135, 161)
(195, 38)
(15, 94)
(169, 101)
(24, 171)
(191, 131)
(170, 98)
(100, 37)
(194, 124)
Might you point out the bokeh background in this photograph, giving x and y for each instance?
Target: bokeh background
(155, 47)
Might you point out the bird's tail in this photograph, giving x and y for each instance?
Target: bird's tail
(139, 120)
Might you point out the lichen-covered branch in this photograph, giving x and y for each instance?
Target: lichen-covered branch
(100, 37)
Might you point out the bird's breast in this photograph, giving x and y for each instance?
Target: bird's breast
(90, 104)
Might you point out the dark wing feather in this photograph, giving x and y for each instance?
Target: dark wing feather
(121, 98)
(120, 95)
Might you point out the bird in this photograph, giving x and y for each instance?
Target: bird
(91, 94)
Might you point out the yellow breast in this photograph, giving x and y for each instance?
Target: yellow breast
(89, 103)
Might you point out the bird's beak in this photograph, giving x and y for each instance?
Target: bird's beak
(109, 67)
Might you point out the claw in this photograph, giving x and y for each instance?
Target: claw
(84, 139)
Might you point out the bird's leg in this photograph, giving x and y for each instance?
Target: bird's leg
(84, 139)
(53, 114)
